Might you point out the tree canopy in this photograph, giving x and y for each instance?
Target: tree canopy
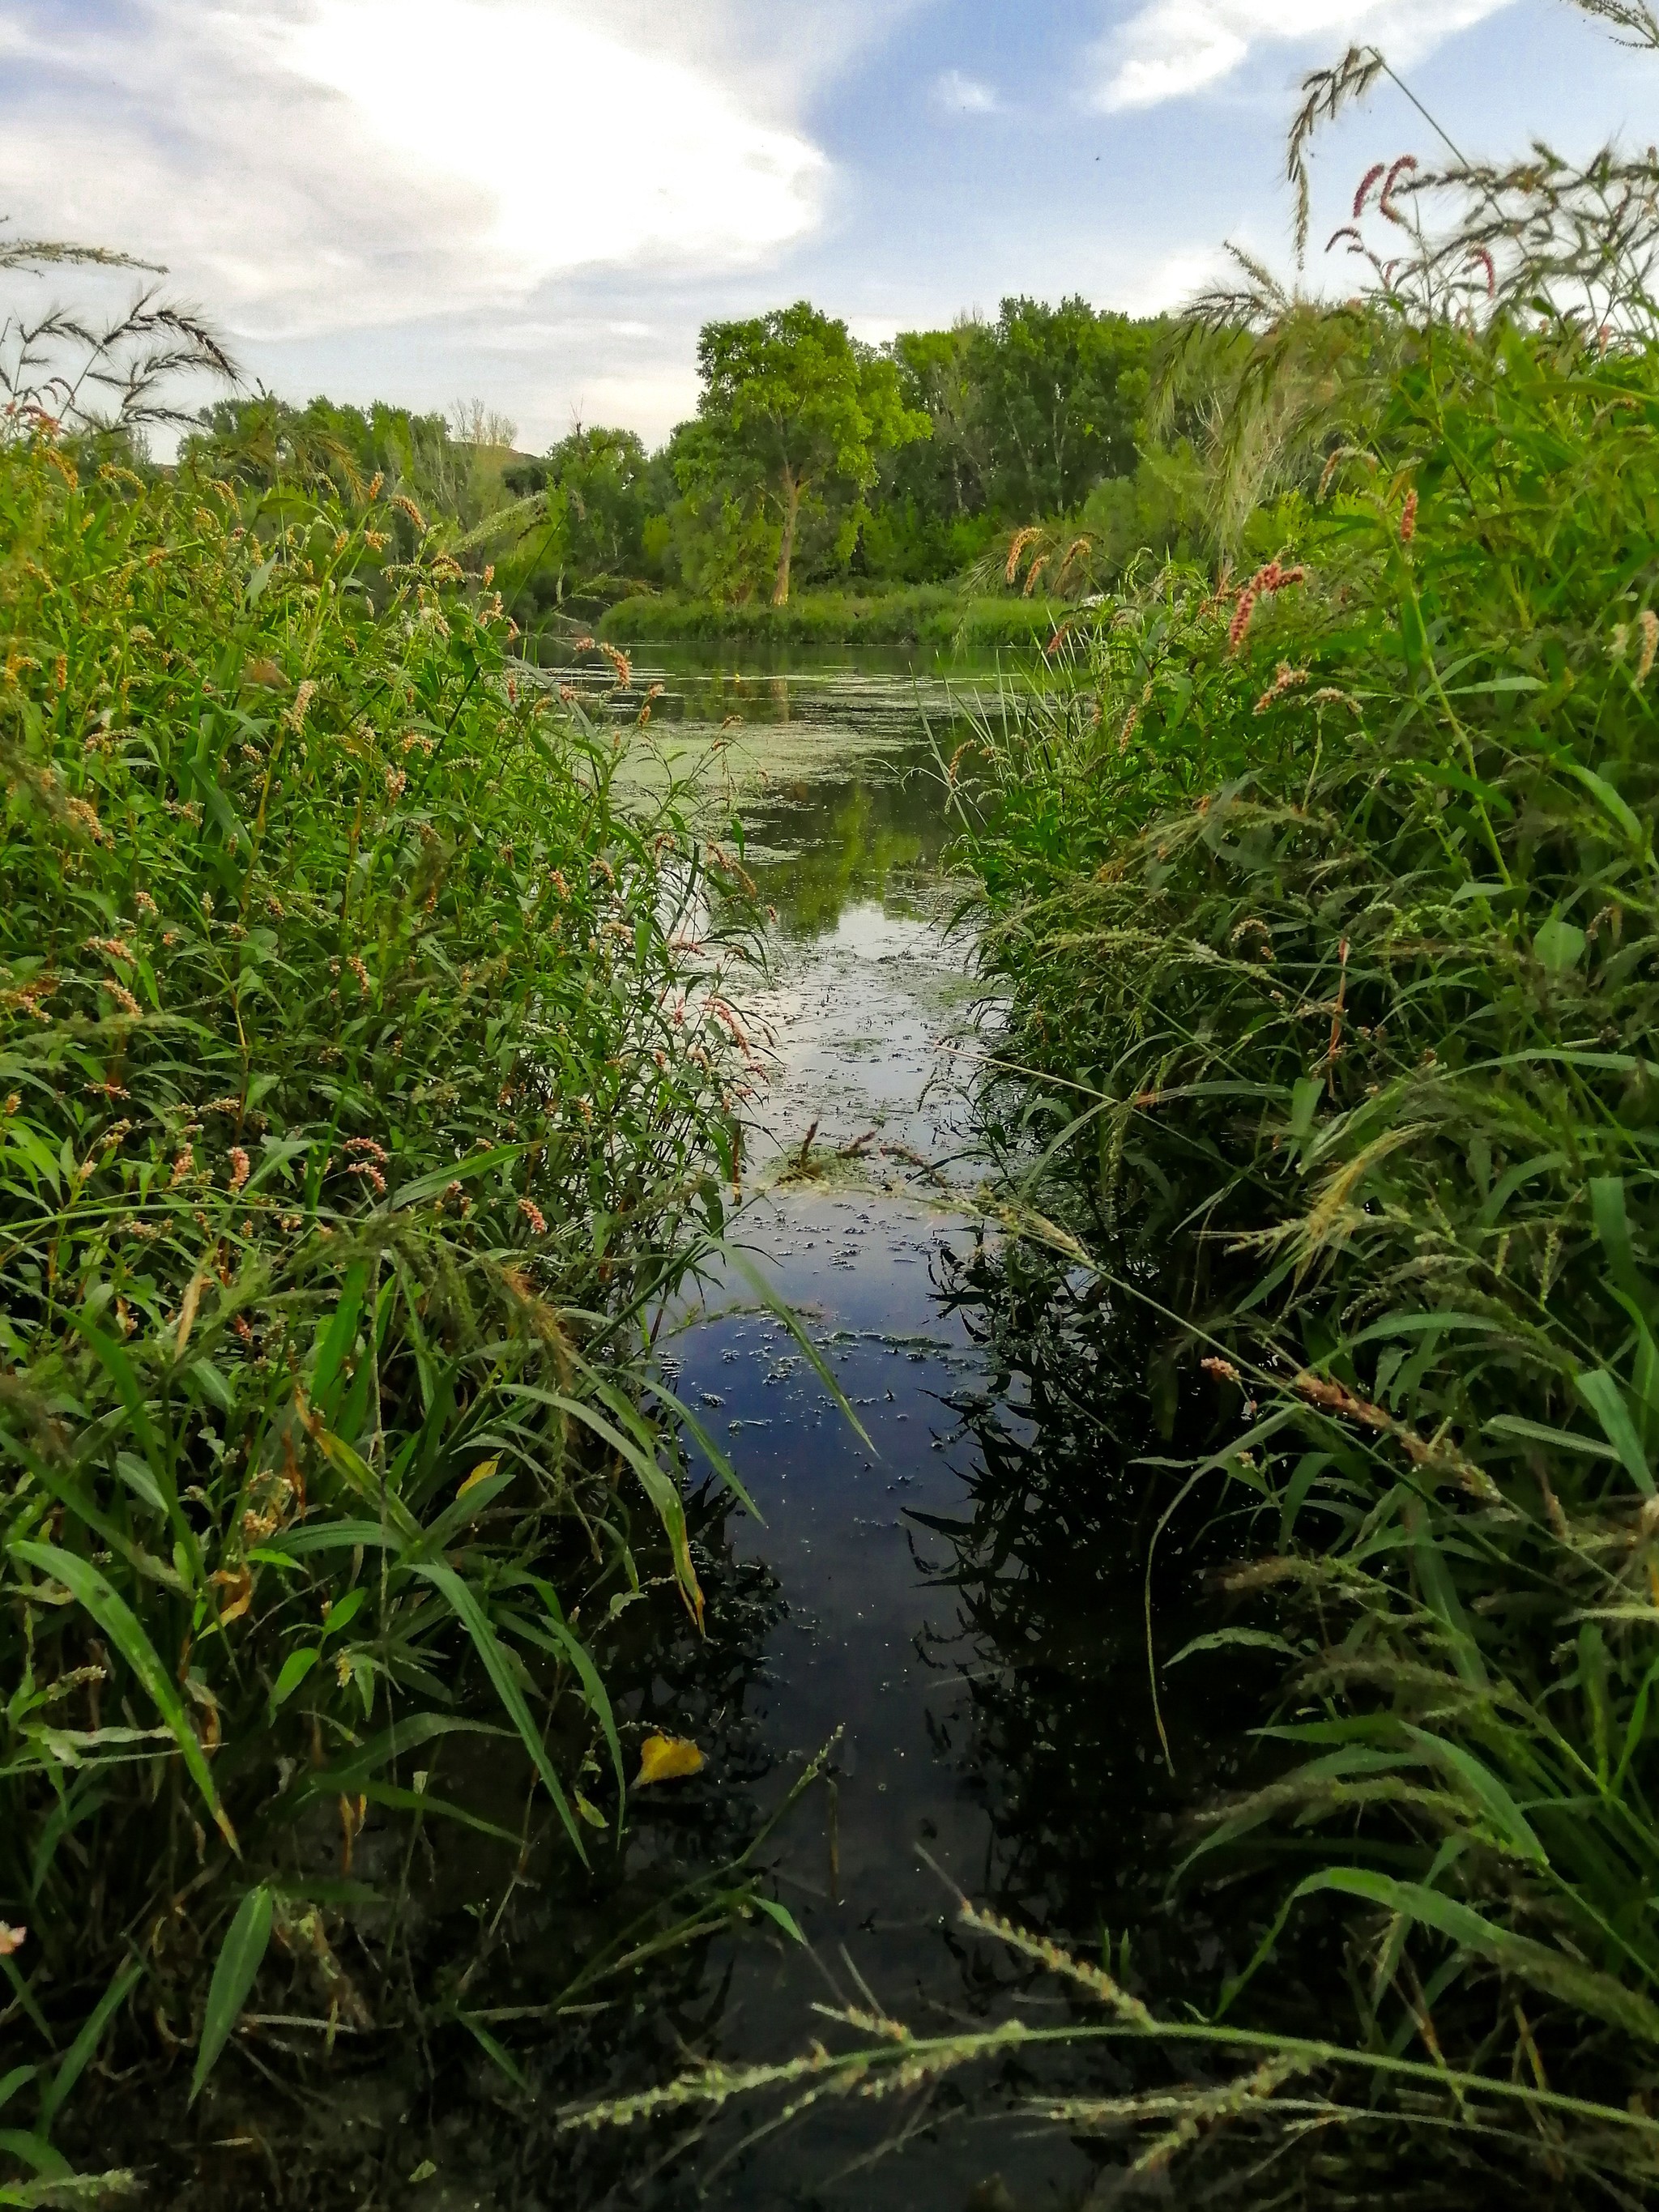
(792, 410)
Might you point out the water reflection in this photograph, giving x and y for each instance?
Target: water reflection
(951, 1592)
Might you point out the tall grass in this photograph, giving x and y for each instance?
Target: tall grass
(360, 1104)
(1325, 900)
(1321, 900)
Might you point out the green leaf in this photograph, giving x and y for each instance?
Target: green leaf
(1603, 791)
(1602, 1393)
(295, 1667)
(1488, 1792)
(467, 1610)
(496, 2052)
(1612, 1218)
(240, 1956)
(784, 1917)
(1512, 1425)
(476, 1163)
(84, 2049)
(1256, 1639)
(1558, 946)
(113, 1615)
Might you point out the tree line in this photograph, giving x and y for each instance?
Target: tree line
(812, 460)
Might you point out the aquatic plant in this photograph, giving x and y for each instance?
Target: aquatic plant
(1324, 901)
(357, 1118)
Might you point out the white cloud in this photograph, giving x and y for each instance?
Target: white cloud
(1170, 48)
(308, 165)
(964, 96)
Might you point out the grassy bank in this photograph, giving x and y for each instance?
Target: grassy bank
(931, 619)
(1325, 902)
(356, 1116)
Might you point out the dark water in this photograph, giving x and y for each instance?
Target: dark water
(954, 1603)
(948, 1607)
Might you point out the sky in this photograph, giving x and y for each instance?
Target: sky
(537, 202)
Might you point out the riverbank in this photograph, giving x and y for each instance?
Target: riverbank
(932, 618)
(367, 1074)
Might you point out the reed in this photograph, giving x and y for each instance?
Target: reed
(356, 1119)
(1325, 917)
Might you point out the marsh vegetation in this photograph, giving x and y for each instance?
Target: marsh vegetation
(1234, 1554)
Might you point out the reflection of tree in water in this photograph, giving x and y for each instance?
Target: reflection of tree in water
(854, 838)
(1049, 1566)
(492, 1936)
(1089, 1824)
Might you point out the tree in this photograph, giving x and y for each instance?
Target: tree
(1062, 389)
(597, 501)
(792, 406)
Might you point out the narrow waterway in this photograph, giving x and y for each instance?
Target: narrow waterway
(890, 1601)
(923, 1671)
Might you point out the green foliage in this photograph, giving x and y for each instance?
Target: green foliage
(1325, 899)
(939, 620)
(333, 450)
(356, 1116)
(794, 413)
(590, 536)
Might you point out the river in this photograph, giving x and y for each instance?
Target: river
(936, 1615)
(944, 1603)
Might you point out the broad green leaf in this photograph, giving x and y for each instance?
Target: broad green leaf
(240, 1957)
(116, 1618)
(1558, 946)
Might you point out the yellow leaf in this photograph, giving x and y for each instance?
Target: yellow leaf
(481, 1472)
(239, 1587)
(187, 1314)
(665, 1758)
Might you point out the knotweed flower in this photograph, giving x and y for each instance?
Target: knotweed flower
(85, 817)
(1648, 622)
(1408, 518)
(144, 902)
(240, 1167)
(1360, 197)
(1021, 538)
(182, 1166)
(116, 948)
(123, 998)
(533, 1214)
(1385, 197)
(1285, 680)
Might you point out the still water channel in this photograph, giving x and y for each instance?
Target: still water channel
(949, 1604)
(944, 1612)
